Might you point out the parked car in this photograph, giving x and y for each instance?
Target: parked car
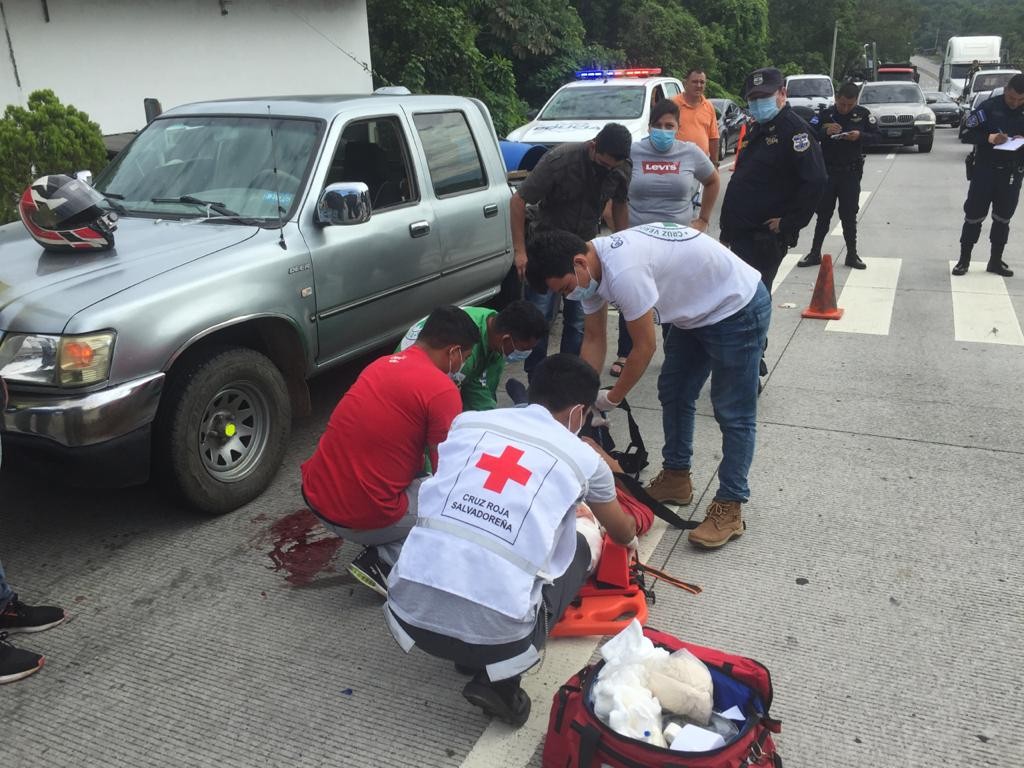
(904, 118)
(979, 98)
(260, 242)
(812, 92)
(579, 110)
(947, 111)
(731, 120)
(986, 80)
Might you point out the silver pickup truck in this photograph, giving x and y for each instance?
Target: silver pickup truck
(259, 242)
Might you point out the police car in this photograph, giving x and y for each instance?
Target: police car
(580, 109)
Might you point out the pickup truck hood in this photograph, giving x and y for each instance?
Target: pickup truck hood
(40, 291)
(561, 131)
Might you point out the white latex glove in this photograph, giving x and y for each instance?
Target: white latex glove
(604, 404)
(597, 419)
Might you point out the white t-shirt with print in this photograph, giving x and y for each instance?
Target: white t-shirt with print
(688, 278)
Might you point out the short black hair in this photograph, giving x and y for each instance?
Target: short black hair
(449, 325)
(562, 381)
(549, 254)
(1016, 83)
(848, 91)
(691, 70)
(522, 320)
(662, 108)
(614, 140)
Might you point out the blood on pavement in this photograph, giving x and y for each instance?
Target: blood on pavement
(302, 547)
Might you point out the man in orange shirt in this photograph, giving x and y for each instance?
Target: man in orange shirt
(697, 119)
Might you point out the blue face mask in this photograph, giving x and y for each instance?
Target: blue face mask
(662, 139)
(764, 109)
(579, 293)
(517, 355)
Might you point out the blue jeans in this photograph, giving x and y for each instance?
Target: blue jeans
(572, 326)
(730, 352)
(6, 593)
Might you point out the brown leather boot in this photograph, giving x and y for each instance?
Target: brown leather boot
(722, 523)
(671, 486)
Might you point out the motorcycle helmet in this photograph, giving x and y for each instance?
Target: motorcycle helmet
(64, 214)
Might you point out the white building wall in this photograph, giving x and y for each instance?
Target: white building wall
(106, 56)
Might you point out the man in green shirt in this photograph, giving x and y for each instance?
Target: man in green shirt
(506, 336)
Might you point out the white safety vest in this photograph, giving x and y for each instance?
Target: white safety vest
(498, 519)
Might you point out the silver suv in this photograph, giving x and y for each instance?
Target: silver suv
(902, 113)
(259, 243)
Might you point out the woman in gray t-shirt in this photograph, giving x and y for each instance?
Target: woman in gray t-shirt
(665, 175)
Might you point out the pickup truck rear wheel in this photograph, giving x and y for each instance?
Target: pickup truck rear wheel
(228, 417)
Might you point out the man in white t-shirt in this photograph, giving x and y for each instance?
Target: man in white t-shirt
(719, 312)
(502, 544)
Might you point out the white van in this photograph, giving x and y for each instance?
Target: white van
(810, 91)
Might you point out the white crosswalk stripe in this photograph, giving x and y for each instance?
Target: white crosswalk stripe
(868, 297)
(982, 310)
(786, 267)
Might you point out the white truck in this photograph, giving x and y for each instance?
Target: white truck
(961, 54)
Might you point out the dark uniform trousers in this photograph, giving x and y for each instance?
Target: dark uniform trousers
(763, 250)
(844, 187)
(995, 184)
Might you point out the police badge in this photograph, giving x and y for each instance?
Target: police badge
(801, 142)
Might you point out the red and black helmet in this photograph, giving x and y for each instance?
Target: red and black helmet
(64, 214)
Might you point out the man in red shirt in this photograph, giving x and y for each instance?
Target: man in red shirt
(363, 479)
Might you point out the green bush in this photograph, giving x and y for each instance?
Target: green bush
(47, 137)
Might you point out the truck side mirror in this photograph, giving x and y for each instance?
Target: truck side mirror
(346, 202)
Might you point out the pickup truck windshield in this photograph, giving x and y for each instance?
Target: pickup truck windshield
(984, 82)
(605, 102)
(225, 159)
(814, 86)
(895, 93)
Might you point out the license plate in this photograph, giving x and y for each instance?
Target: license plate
(894, 132)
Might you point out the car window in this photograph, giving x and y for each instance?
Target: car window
(452, 155)
(983, 82)
(671, 89)
(599, 102)
(375, 153)
(892, 93)
(813, 86)
(252, 166)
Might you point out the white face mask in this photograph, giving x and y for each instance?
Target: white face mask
(583, 418)
(457, 375)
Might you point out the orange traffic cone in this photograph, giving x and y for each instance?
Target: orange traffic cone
(823, 301)
(739, 146)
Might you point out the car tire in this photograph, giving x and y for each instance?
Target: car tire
(723, 146)
(223, 427)
(925, 145)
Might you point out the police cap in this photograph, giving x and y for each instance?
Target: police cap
(762, 82)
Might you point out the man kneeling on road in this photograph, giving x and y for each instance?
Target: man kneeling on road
(719, 312)
(363, 478)
(502, 544)
(506, 336)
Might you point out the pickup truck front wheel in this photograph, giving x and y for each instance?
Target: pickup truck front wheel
(225, 430)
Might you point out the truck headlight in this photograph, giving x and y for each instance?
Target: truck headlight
(66, 361)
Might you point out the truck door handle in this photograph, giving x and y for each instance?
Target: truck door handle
(490, 211)
(419, 228)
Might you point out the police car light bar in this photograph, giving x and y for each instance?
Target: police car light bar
(601, 74)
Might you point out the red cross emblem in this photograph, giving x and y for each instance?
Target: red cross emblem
(504, 468)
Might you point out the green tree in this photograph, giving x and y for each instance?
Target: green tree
(46, 137)
(430, 46)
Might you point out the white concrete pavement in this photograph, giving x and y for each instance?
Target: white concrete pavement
(879, 579)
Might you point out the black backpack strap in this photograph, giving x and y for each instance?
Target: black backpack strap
(634, 458)
(636, 490)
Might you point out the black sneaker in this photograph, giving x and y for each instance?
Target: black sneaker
(371, 571)
(18, 617)
(810, 260)
(504, 700)
(16, 663)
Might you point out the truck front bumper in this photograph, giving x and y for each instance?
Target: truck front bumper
(100, 438)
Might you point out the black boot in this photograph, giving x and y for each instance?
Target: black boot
(965, 260)
(504, 700)
(812, 259)
(996, 263)
(853, 261)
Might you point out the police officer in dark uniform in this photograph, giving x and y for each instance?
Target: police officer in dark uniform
(777, 180)
(844, 130)
(996, 177)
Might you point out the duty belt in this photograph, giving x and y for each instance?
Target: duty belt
(845, 167)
